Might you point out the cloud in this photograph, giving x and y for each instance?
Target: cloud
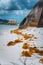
(4, 4)
(16, 12)
(17, 15)
(3, 12)
(28, 1)
(16, 4)
(22, 12)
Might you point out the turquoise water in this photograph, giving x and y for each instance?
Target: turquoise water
(7, 27)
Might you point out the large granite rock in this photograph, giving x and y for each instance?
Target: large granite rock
(35, 17)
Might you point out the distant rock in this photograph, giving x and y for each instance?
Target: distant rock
(35, 17)
(12, 22)
(8, 22)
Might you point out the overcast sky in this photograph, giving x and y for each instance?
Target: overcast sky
(17, 4)
(15, 9)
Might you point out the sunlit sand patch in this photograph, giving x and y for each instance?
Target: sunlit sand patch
(31, 51)
(26, 54)
(40, 52)
(26, 36)
(41, 60)
(16, 31)
(29, 36)
(12, 43)
(26, 46)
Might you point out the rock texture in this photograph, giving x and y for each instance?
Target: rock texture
(35, 17)
(8, 22)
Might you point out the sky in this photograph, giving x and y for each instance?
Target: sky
(15, 9)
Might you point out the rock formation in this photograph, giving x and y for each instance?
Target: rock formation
(8, 22)
(11, 22)
(35, 17)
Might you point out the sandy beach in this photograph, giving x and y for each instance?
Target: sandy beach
(10, 55)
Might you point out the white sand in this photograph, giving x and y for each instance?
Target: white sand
(12, 54)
